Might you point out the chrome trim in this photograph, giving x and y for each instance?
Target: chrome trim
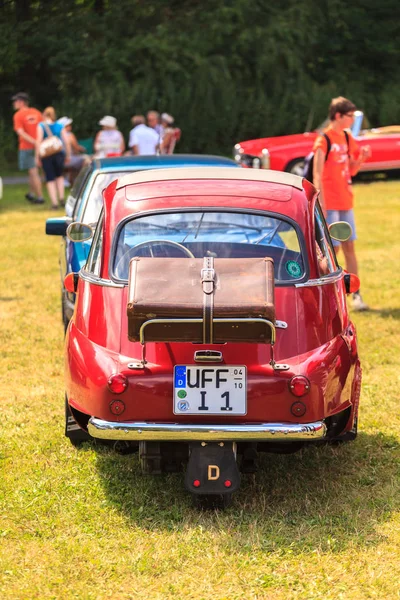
(72, 225)
(265, 159)
(207, 356)
(98, 281)
(327, 279)
(218, 320)
(263, 432)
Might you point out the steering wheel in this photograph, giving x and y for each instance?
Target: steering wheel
(150, 243)
(132, 252)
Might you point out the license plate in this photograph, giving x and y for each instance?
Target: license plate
(209, 390)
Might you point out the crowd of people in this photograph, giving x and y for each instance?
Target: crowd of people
(334, 165)
(49, 143)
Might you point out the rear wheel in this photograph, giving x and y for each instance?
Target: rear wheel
(296, 167)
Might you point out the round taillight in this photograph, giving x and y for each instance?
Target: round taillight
(227, 483)
(117, 407)
(196, 483)
(117, 383)
(298, 409)
(299, 385)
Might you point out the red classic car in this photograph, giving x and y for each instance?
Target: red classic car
(211, 324)
(287, 152)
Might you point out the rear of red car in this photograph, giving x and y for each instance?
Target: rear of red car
(182, 397)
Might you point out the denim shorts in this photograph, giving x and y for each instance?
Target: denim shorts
(342, 215)
(26, 160)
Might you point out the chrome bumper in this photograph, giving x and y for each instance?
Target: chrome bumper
(177, 432)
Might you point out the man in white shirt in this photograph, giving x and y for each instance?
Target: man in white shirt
(142, 139)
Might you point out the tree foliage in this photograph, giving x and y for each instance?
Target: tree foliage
(226, 70)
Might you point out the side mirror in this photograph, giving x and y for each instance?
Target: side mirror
(57, 226)
(340, 231)
(351, 283)
(79, 232)
(71, 282)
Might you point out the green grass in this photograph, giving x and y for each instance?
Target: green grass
(323, 523)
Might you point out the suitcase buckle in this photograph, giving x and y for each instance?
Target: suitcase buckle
(207, 275)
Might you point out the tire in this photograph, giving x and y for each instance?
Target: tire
(296, 167)
(157, 458)
(73, 432)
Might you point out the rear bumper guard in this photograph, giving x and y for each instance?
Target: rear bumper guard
(178, 432)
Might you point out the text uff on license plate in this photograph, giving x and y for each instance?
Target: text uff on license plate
(209, 390)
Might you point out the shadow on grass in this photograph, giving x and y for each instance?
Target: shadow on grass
(10, 298)
(323, 497)
(377, 177)
(393, 313)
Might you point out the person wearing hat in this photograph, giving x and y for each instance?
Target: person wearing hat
(109, 141)
(78, 156)
(142, 139)
(26, 120)
(169, 135)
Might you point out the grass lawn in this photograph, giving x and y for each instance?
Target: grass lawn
(323, 523)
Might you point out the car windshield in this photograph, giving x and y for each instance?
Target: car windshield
(95, 199)
(211, 233)
(76, 189)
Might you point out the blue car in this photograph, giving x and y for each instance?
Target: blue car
(85, 202)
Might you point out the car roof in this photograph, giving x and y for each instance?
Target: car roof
(216, 173)
(253, 189)
(161, 161)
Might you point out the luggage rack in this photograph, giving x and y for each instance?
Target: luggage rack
(276, 366)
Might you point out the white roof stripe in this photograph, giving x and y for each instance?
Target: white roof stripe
(227, 173)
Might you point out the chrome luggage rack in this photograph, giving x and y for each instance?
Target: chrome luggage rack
(276, 366)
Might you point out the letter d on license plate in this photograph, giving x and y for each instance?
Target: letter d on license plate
(209, 390)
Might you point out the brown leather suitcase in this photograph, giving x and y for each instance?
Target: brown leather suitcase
(164, 291)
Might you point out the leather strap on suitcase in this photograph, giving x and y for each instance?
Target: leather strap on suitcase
(208, 281)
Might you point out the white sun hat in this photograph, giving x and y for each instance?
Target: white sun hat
(64, 121)
(108, 121)
(167, 118)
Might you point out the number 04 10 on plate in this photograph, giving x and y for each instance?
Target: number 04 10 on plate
(209, 390)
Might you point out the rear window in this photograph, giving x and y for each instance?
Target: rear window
(211, 233)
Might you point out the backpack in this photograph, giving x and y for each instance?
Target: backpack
(309, 159)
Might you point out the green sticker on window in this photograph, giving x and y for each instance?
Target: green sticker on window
(293, 268)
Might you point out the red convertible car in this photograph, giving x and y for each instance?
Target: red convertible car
(287, 152)
(211, 324)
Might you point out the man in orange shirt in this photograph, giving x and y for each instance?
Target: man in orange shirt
(26, 120)
(332, 174)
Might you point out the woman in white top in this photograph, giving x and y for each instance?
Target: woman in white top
(109, 141)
